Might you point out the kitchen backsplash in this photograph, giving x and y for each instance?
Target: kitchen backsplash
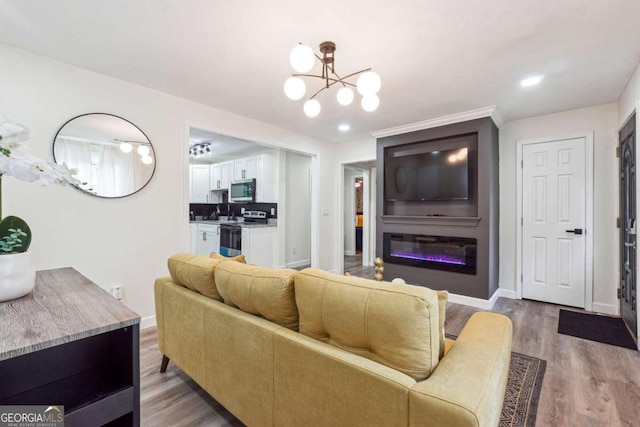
(206, 209)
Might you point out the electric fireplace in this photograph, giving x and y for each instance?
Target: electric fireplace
(456, 254)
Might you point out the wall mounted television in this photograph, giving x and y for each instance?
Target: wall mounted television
(434, 175)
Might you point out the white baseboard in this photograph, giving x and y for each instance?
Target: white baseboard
(612, 310)
(349, 253)
(148, 322)
(482, 303)
(334, 270)
(297, 264)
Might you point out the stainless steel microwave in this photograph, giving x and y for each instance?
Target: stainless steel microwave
(243, 191)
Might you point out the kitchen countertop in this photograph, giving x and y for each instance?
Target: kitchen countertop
(241, 224)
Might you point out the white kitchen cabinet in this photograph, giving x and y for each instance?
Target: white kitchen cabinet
(259, 245)
(193, 238)
(244, 168)
(208, 239)
(200, 191)
(220, 176)
(266, 178)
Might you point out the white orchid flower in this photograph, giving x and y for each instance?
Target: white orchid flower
(16, 159)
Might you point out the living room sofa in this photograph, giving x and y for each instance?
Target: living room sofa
(280, 347)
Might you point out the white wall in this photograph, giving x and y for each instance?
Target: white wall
(629, 98)
(602, 120)
(298, 210)
(126, 241)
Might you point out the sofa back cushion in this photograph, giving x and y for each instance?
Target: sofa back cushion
(266, 292)
(195, 272)
(393, 324)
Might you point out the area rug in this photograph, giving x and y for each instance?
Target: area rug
(593, 327)
(523, 391)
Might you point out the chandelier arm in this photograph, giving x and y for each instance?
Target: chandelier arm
(356, 73)
(314, 95)
(324, 78)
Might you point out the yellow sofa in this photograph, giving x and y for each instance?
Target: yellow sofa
(279, 347)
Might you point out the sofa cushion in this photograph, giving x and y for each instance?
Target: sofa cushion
(195, 272)
(266, 292)
(393, 324)
(239, 258)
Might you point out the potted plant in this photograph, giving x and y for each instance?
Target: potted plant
(17, 269)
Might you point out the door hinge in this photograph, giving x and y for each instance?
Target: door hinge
(619, 293)
(618, 222)
(617, 151)
(521, 278)
(521, 221)
(521, 164)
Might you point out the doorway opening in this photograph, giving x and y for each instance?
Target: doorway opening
(357, 223)
(282, 195)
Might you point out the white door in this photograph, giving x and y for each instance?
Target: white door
(553, 221)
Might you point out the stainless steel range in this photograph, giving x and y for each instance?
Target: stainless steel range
(255, 217)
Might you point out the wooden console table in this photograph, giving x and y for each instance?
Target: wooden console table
(71, 343)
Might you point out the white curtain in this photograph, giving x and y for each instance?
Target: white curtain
(76, 155)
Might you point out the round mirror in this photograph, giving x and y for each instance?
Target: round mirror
(112, 156)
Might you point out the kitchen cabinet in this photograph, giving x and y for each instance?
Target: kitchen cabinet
(208, 239)
(193, 238)
(264, 169)
(199, 177)
(219, 176)
(259, 245)
(245, 168)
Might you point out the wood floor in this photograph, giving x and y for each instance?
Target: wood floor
(585, 384)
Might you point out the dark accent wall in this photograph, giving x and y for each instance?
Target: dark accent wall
(476, 217)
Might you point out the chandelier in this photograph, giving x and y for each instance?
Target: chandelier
(200, 149)
(303, 58)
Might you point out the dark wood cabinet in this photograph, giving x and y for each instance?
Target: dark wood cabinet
(70, 343)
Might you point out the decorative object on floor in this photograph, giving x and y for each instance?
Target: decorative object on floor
(17, 269)
(379, 263)
(594, 327)
(520, 405)
(112, 155)
(303, 58)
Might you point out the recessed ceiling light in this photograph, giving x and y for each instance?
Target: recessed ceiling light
(531, 81)
(344, 127)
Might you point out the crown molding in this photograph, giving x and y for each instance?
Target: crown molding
(491, 111)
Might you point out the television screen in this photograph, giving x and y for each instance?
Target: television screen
(435, 175)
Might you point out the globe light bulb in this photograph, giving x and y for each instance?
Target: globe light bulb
(143, 150)
(368, 83)
(302, 58)
(345, 96)
(312, 108)
(125, 147)
(294, 88)
(146, 159)
(370, 103)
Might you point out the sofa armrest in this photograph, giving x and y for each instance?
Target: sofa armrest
(158, 288)
(467, 387)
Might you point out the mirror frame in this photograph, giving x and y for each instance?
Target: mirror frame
(155, 158)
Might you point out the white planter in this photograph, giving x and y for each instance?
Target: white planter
(17, 275)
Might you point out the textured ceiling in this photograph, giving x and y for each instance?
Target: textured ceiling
(435, 58)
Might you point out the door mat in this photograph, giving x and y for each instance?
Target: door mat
(604, 329)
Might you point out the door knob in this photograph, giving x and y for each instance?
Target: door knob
(576, 231)
(630, 244)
